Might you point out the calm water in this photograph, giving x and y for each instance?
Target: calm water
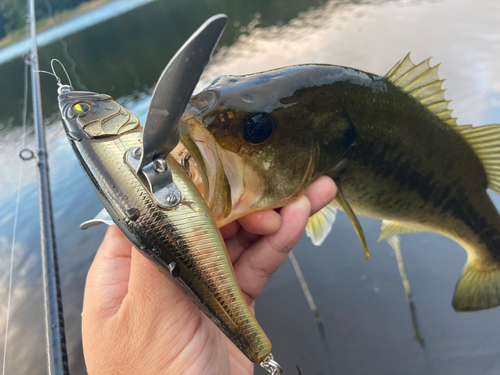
(367, 319)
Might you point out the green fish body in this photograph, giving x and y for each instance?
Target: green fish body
(389, 143)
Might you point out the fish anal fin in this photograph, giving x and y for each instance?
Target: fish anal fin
(320, 224)
(393, 228)
(477, 289)
(354, 220)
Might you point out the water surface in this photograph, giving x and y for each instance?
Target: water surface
(367, 319)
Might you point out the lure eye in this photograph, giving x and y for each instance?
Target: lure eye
(81, 108)
(258, 128)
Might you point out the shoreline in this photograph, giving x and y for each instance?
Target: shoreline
(48, 22)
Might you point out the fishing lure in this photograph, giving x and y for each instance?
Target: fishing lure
(151, 198)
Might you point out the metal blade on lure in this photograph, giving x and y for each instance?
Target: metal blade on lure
(174, 89)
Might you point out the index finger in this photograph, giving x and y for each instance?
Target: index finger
(256, 264)
(320, 193)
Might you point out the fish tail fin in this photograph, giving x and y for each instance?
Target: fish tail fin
(479, 285)
(478, 288)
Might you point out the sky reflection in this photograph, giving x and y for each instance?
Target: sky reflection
(373, 37)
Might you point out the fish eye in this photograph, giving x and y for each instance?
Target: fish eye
(80, 108)
(258, 128)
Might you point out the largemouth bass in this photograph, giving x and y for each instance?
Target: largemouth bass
(390, 143)
(183, 241)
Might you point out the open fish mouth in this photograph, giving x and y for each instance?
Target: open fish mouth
(226, 182)
(200, 155)
(194, 167)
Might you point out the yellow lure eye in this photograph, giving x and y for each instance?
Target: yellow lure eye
(81, 108)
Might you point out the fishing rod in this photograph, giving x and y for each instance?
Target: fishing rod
(57, 358)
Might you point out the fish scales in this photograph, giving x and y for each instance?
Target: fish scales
(426, 169)
(389, 143)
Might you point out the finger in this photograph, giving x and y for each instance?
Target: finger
(256, 265)
(261, 222)
(151, 291)
(320, 193)
(237, 244)
(108, 277)
(253, 227)
(230, 230)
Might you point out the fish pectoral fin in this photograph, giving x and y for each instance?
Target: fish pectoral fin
(102, 217)
(393, 228)
(477, 288)
(354, 220)
(320, 224)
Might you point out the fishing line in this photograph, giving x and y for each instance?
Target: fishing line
(54, 72)
(25, 110)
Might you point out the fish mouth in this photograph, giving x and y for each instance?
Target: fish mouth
(200, 155)
(229, 186)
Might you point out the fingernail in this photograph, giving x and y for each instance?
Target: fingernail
(301, 204)
(303, 201)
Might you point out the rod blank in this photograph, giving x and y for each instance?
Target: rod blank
(57, 358)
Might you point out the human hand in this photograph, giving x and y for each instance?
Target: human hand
(136, 321)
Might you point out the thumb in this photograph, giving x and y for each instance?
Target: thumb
(108, 277)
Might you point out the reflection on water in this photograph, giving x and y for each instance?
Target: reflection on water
(89, 19)
(366, 317)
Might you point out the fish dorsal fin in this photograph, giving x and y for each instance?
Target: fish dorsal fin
(354, 220)
(485, 141)
(320, 224)
(394, 228)
(422, 83)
